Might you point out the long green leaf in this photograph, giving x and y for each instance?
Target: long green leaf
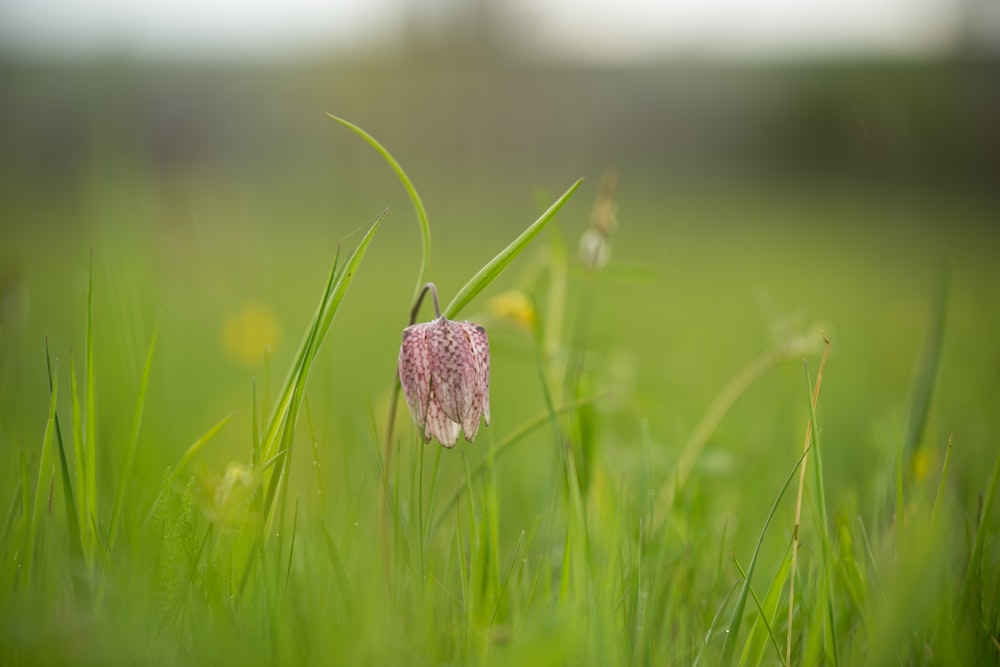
(45, 470)
(269, 444)
(495, 266)
(418, 205)
(199, 444)
(75, 545)
(343, 282)
(128, 459)
(330, 304)
(333, 294)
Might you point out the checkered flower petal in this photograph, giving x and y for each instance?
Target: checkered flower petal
(453, 367)
(415, 372)
(480, 345)
(440, 426)
(444, 368)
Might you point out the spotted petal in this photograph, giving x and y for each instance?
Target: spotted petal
(444, 368)
(440, 425)
(415, 372)
(452, 365)
(478, 343)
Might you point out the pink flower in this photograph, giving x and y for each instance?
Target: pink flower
(444, 367)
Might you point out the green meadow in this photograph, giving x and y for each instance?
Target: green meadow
(763, 432)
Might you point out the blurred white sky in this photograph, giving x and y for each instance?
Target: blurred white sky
(587, 30)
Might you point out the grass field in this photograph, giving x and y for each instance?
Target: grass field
(175, 490)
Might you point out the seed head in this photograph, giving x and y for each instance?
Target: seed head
(444, 367)
(595, 244)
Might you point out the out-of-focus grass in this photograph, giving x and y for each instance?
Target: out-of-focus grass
(528, 566)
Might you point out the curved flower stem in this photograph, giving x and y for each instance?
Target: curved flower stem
(432, 288)
(390, 426)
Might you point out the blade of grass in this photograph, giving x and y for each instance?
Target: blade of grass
(90, 417)
(254, 425)
(79, 468)
(734, 625)
(255, 457)
(926, 370)
(341, 577)
(280, 513)
(716, 621)
(291, 545)
(871, 564)
(295, 385)
(69, 502)
(826, 551)
(411, 191)
(490, 576)
(762, 615)
(420, 510)
(425, 240)
(281, 408)
(320, 487)
(506, 577)
(14, 573)
(281, 425)
(198, 445)
(983, 535)
(463, 567)
(938, 497)
(577, 552)
(25, 493)
(798, 505)
(266, 465)
(495, 266)
(45, 469)
(128, 459)
(502, 448)
(16, 510)
(720, 406)
(435, 477)
(333, 295)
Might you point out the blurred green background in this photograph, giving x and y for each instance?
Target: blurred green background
(756, 196)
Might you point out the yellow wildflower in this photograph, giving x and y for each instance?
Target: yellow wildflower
(249, 333)
(515, 306)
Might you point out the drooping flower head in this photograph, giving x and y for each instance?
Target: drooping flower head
(444, 367)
